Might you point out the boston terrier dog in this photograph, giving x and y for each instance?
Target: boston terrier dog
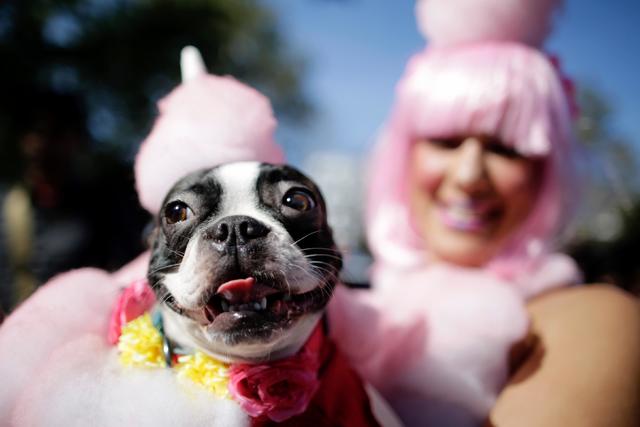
(243, 261)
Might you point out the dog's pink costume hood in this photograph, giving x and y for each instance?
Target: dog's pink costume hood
(55, 361)
(435, 338)
(206, 121)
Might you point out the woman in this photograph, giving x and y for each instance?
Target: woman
(471, 184)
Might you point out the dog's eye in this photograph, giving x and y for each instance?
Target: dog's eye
(299, 200)
(176, 212)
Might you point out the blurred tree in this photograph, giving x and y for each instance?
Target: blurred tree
(120, 56)
(607, 230)
(610, 167)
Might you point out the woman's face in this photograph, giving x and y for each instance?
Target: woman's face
(468, 195)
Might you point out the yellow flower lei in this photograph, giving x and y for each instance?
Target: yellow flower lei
(140, 346)
(205, 371)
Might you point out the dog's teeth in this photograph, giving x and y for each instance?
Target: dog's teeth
(250, 306)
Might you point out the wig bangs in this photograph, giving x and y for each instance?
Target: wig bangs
(503, 90)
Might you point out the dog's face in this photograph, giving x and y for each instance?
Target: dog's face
(243, 260)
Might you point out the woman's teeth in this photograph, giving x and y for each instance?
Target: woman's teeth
(466, 216)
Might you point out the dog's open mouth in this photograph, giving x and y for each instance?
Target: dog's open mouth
(240, 298)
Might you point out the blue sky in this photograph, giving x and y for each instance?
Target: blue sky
(357, 50)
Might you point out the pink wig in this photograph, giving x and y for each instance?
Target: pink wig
(504, 89)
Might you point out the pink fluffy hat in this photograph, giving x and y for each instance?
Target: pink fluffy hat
(206, 121)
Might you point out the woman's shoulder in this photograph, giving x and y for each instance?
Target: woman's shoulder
(597, 325)
(589, 305)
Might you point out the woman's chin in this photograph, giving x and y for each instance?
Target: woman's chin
(467, 249)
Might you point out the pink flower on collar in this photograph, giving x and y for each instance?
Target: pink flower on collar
(134, 301)
(278, 390)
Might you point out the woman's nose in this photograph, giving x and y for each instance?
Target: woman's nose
(469, 170)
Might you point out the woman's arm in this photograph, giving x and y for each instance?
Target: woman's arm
(584, 369)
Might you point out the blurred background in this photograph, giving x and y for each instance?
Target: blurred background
(79, 80)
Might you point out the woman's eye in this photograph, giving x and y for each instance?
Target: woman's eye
(445, 143)
(502, 150)
(299, 200)
(176, 212)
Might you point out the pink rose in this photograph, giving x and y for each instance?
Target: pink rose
(279, 390)
(134, 301)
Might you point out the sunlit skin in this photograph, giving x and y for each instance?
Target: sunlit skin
(468, 195)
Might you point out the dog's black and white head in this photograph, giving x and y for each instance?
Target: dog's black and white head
(243, 260)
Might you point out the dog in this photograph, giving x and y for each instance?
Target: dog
(242, 265)
(243, 261)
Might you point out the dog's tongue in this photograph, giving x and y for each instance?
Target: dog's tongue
(238, 290)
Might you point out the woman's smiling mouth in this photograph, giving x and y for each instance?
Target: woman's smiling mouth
(468, 215)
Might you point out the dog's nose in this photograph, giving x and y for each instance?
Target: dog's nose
(238, 230)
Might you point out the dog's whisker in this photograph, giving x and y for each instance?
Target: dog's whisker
(322, 256)
(325, 284)
(304, 271)
(323, 251)
(330, 275)
(318, 262)
(319, 249)
(327, 255)
(323, 269)
(325, 291)
(305, 236)
(323, 277)
(179, 253)
(311, 273)
(163, 268)
(323, 280)
(155, 284)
